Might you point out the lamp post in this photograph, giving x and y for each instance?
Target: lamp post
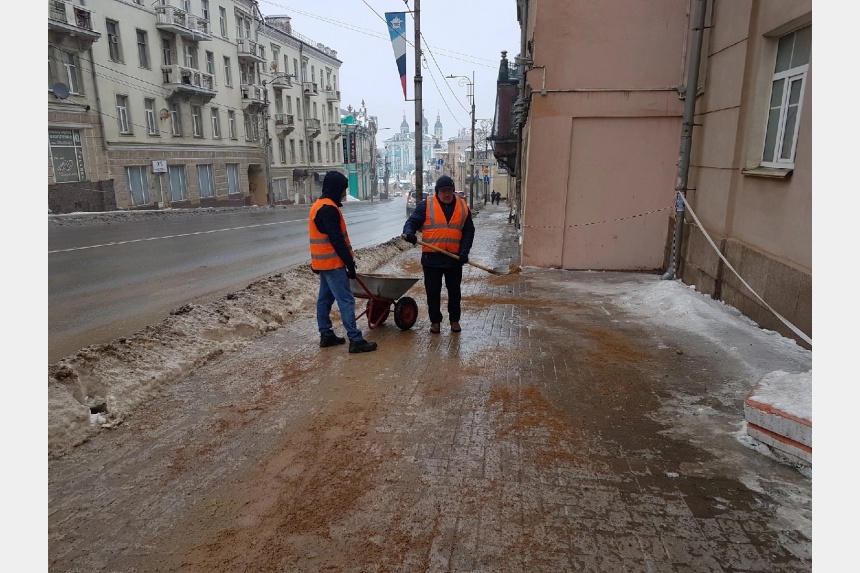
(270, 196)
(464, 80)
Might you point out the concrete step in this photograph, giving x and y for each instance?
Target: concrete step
(778, 411)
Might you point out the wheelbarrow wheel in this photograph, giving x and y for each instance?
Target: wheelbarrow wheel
(405, 313)
(377, 311)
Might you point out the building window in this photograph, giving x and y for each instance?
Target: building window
(311, 151)
(319, 152)
(216, 123)
(142, 49)
(204, 177)
(186, 5)
(70, 63)
(289, 105)
(233, 178)
(786, 98)
(302, 150)
(280, 189)
(313, 75)
(251, 127)
(196, 121)
(327, 152)
(282, 150)
(315, 111)
(223, 14)
(292, 151)
(299, 107)
(275, 55)
(204, 4)
(175, 120)
(67, 155)
(210, 63)
(191, 57)
(228, 77)
(122, 114)
(138, 185)
(176, 177)
(114, 48)
(166, 52)
(151, 125)
(231, 124)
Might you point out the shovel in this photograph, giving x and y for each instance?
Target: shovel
(498, 271)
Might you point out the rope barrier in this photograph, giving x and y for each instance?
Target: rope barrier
(597, 222)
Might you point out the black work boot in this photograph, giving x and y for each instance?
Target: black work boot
(330, 340)
(361, 346)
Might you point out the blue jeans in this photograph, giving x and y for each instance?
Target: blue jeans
(334, 286)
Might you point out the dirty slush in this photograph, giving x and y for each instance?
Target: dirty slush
(554, 433)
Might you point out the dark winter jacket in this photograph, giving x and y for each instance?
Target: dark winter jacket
(328, 218)
(416, 221)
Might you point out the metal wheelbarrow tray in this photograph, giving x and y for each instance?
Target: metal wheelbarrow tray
(381, 293)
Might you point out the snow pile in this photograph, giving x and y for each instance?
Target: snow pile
(789, 393)
(98, 386)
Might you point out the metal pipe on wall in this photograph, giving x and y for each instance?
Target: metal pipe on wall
(687, 133)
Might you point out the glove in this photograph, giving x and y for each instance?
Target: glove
(350, 270)
(464, 259)
(410, 238)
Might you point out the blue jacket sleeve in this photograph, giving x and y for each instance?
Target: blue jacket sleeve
(416, 219)
(468, 236)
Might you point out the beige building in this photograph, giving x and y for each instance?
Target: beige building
(185, 103)
(590, 120)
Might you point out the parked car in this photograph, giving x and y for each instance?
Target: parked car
(410, 203)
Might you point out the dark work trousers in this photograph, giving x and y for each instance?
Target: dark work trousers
(433, 287)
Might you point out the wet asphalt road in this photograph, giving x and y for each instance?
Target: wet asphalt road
(111, 280)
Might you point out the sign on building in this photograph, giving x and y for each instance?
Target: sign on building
(67, 155)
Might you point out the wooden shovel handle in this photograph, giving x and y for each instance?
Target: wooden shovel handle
(453, 256)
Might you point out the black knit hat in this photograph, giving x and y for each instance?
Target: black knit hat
(444, 182)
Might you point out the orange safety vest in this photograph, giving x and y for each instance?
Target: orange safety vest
(323, 255)
(440, 233)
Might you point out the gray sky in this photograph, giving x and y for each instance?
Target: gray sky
(460, 37)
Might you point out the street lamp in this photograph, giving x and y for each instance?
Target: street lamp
(464, 80)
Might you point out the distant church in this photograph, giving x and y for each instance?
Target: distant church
(400, 149)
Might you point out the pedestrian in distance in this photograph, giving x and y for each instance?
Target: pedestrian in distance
(333, 260)
(445, 222)
(493, 197)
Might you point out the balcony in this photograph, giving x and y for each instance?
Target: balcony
(334, 129)
(332, 95)
(309, 88)
(284, 124)
(252, 97)
(282, 82)
(314, 127)
(177, 21)
(249, 51)
(185, 81)
(67, 21)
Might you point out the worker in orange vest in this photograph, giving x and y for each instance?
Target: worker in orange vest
(333, 260)
(445, 222)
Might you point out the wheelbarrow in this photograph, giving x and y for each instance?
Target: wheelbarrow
(383, 292)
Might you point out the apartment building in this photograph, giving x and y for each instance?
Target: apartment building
(592, 122)
(182, 103)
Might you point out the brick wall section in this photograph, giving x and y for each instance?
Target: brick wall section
(86, 196)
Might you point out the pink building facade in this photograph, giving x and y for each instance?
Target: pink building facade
(597, 125)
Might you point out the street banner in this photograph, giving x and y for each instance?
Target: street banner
(396, 28)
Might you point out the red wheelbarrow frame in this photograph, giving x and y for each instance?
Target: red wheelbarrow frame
(379, 307)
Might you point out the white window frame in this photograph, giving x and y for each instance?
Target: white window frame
(231, 124)
(282, 150)
(137, 181)
(292, 151)
(281, 189)
(788, 78)
(122, 115)
(216, 123)
(197, 121)
(233, 179)
(151, 123)
(228, 76)
(70, 63)
(190, 56)
(178, 183)
(175, 120)
(204, 8)
(166, 52)
(210, 63)
(206, 180)
(223, 15)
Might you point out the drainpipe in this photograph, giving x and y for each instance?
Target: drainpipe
(98, 99)
(687, 133)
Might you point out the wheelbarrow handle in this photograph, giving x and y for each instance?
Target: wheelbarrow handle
(453, 256)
